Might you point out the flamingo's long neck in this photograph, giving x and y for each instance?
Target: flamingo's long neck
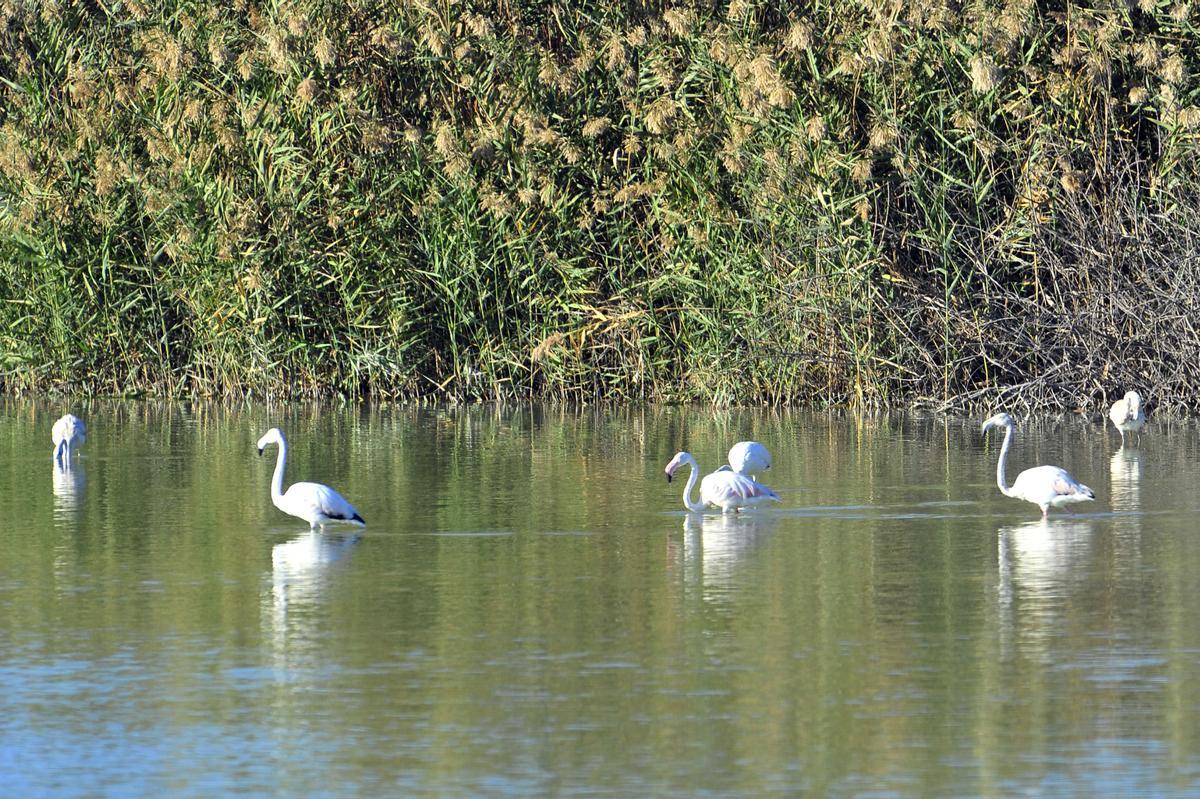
(277, 479)
(1000, 481)
(691, 483)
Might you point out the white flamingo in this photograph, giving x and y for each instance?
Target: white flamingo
(314, 503)
(749, 458)
(68, 433)
(1044, 486)
(724, 488)
(1127, 415)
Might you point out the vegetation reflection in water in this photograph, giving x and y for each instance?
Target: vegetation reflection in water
(531, 612)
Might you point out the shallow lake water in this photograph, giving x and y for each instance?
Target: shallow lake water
(531, 612)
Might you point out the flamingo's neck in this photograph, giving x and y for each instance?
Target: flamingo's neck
(277, 479)
(1000, 481)
(691, 483)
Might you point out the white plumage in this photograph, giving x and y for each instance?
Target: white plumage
(68, 433)
(749, 458)
(1127, 415)
(724, 488)
(315, 503)
(1044, 486)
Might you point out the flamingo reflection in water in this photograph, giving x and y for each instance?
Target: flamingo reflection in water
(1125, 473)
(716, 547)
(67, 483)
(1036, 562)
(300, 565)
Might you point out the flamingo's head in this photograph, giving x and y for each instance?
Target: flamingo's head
(679, 459)
(1001, 419)
(272, 436)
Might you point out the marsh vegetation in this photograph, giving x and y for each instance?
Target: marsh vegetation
(873, 203)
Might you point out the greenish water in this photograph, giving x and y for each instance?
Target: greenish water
(530, 612)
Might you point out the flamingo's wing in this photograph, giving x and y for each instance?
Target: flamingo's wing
(322, 501)
(1050, 484)
(62, 428)
(1119, 412)
(1065, 485)
(726, 486)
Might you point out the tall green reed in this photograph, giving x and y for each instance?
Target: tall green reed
(827, 204)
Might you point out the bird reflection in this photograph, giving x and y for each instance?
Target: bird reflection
(1125, 469)
(714, 545)
(299, 567)
(68, 482)
(1036, 561)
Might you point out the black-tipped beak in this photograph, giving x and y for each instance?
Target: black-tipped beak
(260, 449)
(668, 477)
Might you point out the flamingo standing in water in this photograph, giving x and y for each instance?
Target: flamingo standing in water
(1044, 486)
(68, 433)
(1127, 415)
(724, 488)
(749, 458)
(315, 503)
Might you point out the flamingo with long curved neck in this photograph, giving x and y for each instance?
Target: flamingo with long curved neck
(724, 488)
(315, 503)
(1044, 486)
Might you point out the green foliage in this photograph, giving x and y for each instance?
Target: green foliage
(832, 203)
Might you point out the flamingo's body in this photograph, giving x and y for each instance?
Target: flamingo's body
(1044, 486)
(749, 458)
(315, 503)
(724, 488)
(68, 433)
(1127, 415)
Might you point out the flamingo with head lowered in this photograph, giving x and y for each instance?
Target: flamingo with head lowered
(724, 488)
(1044, 486)
(749, 458)
(315, 503)
(1127, 415)
(68, 433)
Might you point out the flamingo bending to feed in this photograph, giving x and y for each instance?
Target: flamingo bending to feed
(749, 458)
(1044, 486)
(724, 488)
(1127, 415)
(68, 433)
(315, 503)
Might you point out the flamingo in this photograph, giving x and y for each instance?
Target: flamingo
(1127, 415)
(68, 433)
(314, 503)
(724, 488)
(1044, 486)
(749, 458)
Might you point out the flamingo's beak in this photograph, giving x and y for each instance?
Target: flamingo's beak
(260, 449)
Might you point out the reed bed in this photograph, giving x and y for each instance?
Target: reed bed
(870, 204)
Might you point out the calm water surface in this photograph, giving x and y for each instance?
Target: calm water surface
(530, 612)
